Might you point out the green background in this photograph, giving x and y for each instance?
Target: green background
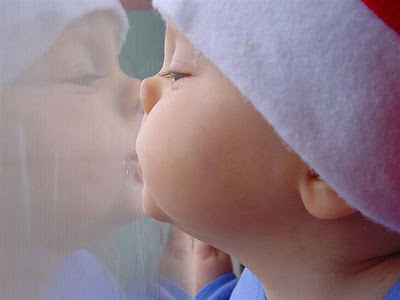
(143, 51)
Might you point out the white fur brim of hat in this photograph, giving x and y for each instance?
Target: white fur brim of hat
(324, 74)
(30, 27)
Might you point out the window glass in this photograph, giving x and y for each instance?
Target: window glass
(71, 220)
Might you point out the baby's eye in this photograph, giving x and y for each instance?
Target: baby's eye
(174, 75)
(86, 79)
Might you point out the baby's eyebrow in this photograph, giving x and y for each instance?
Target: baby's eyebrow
(182, 63)
(195, 65)
(172, 27)
(171, 31)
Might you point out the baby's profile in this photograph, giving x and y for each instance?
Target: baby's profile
(272, 133)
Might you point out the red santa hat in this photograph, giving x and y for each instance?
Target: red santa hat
(29, 28)
(324, 74)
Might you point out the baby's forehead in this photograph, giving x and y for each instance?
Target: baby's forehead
(174, 37)
(172, 32)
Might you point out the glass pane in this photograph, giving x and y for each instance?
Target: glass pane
(71, 219)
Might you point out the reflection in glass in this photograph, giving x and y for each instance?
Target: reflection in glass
(68, 169)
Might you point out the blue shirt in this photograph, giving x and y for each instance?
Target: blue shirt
(227, 287)
(249, 287)
(83, 277)
(393, 293)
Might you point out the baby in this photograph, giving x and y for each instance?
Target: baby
(272, 132)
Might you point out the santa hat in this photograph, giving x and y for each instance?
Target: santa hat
(29, 28)
(324, 74)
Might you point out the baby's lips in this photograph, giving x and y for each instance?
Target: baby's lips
(138, 168)
(140, 172)
(135, 158)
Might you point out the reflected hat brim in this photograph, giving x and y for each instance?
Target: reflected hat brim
(29, 28)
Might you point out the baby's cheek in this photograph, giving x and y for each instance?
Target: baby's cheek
(177, 159)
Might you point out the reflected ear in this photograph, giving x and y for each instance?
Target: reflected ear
(321, 200)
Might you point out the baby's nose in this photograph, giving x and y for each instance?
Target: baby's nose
(150, 93)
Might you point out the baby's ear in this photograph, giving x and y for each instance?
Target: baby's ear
(321, 200)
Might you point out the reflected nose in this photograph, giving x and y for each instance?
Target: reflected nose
(130, 100)
(150, 92)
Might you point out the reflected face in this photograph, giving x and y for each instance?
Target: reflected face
(210, 162)
(69, 125)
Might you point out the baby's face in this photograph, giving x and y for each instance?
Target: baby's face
(68, 131)
(211, 163)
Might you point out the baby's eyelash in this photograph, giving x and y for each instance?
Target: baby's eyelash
(174, 75)
(86, 79)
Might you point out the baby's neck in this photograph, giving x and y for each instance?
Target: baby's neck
(372, 281)
(325, 266)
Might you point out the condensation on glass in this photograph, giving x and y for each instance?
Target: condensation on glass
(71, 220)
